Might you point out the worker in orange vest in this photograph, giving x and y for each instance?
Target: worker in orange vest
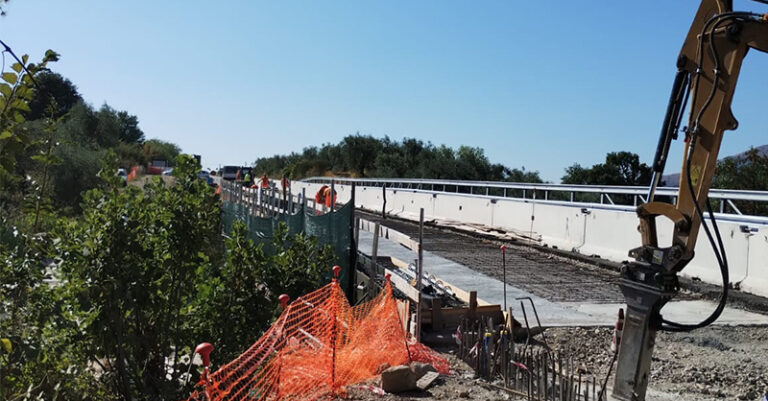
(264, 181)
(323, 196)
(320, 195)
(286, 183)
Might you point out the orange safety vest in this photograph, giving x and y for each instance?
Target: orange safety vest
(320, 195)
(264, 181)
(330, 199)
(132, 175)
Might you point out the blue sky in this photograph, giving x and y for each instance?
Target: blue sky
(536, 84)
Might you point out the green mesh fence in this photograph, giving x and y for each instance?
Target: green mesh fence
(329, 229)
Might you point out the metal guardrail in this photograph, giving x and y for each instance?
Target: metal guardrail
(602, 194)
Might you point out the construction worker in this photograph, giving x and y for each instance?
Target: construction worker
(247, 179)
(286, 183)
(320, 195)
(264, 181)
(239, 175)
(323, 196)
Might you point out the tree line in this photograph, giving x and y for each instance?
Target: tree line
(52, 119)
(365, 156)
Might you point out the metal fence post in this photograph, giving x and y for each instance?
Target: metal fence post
(419, 273)
(375, 248)
(333, 193)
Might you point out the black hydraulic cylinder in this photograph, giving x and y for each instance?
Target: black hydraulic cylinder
(669, 126)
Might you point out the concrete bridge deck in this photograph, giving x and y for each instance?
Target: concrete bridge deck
(566, 292)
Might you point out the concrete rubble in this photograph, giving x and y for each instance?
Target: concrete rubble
(402, 378)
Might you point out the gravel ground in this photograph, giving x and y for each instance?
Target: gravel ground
(459, 386)
(711, 364)
(714, 363)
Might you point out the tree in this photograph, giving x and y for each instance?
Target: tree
(520, 175)
(76, 174)
(52, 89)
(129, 131)
(79, 125)
(620, 168)
(365, 156)
(16, 91)
(155, 149)
(748, 171)
(130, 154)
(107, 132)
(360, 153)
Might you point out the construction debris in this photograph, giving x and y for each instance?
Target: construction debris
(402, 378)
(427, 380)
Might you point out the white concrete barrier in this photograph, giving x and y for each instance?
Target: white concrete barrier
(591, 229)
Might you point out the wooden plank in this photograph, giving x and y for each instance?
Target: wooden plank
(401, 239)
(484, 310)
(451, 317)
(403, 285)
(460, 293)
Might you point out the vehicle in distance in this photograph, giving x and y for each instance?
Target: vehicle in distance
(205, 176)
(229, 173)
(123, 175)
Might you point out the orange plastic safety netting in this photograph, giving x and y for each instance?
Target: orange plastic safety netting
(317, 346)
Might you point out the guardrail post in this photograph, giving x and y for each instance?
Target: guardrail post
(384, 201)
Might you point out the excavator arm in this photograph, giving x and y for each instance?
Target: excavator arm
(708, 70)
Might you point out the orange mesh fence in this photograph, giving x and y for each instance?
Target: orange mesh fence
(317, 346)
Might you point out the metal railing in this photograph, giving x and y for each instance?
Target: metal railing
(726, 200)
